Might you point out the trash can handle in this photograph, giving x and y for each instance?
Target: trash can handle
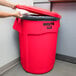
(17, 25)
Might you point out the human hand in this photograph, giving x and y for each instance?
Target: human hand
(17, 14)
(13, 6)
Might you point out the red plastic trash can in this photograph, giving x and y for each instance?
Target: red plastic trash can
(37, 39)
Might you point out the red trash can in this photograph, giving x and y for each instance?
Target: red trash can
(38, 39)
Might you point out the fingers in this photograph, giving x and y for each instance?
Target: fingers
(13, 6)
(20, 15)
(17, 14)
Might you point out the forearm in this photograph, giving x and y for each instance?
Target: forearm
(6, 3)
(5, 14)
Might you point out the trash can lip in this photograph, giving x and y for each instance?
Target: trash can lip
(39, 17)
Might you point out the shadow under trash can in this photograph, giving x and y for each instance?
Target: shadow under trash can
(38, 39)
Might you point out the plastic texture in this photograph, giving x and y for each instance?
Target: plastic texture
(39, 18)
(37, 41)
(39, 11)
